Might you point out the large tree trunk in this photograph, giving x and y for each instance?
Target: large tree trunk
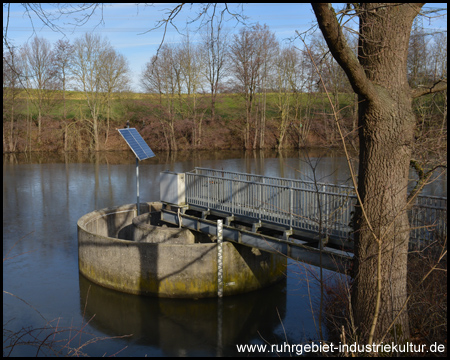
(387, 124)
(385, 152)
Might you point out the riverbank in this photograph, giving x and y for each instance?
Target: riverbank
(69, 126)
(126, 156)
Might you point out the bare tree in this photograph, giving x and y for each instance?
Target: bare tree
(430, 148)
(63, 54)
(152, 81)
(12, 71)
(215, 49)
(172, 85)
(334, 79)
(285, 68)
(87, 62)
(305, 96)
(191, 61)
(246, 61)
(114, 78)
(269, 49)
(417, 54)
(294, 86)
(78, 13)
(386, 121)
(42, 77)
(439, 58)
(162, 75)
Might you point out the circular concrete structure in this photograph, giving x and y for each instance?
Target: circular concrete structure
(139, 255)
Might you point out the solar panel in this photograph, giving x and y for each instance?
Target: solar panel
(136, 143)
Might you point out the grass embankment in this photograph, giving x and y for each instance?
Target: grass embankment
(163, 120)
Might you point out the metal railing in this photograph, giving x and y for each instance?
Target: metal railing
(299, 204)
(428, 219)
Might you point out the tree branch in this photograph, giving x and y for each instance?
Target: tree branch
(440, 85)
(423, 178)
(341, 51)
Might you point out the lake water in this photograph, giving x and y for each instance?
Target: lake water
(43, 197)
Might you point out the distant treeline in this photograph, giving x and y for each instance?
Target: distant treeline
(244, 91)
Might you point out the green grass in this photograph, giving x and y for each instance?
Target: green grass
(145, 112)
(228, 106)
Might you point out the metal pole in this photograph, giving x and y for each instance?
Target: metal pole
(137, 186)
(219, 352)
(219, 258)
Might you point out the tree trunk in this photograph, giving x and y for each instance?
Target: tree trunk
(66, 137)
(39, 125)
(257, 126)
(247, 124)
(95, 130)
(108, 115)
(386, 128)
(387, 123)
(11, 129)
(385, 152)
(213, 104)
(263, 122)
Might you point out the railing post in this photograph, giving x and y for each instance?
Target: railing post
(263, 196)
(232, 198)
(207, 179)
(291, 205)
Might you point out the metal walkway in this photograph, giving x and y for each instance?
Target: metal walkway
(283, 215)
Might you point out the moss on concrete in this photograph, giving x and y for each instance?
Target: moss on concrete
(167, 269)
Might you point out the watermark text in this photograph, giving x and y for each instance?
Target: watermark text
(300, 349)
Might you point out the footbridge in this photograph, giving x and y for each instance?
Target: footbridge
(304, 220)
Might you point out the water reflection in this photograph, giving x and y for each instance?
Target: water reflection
(45, 194)
(164, 157)
(323, 165)
(185, 327)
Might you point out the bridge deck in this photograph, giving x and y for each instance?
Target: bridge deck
(325, 209)
(297, 249)
(302, 212)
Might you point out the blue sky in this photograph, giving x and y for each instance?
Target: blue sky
(125, 26)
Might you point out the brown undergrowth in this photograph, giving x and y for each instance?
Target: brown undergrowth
(427, 304)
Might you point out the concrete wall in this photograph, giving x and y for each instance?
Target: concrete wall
(148, 228)
(164, 267)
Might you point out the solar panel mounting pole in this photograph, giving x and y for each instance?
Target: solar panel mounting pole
(137, 187)
(140, 149)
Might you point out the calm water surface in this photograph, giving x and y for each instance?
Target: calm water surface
(45, 195)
